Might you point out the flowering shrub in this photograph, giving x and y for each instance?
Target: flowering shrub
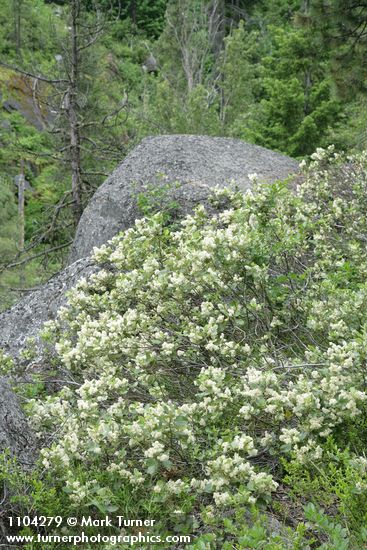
(198, 357)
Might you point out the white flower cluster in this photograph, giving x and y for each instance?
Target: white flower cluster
(207, 351)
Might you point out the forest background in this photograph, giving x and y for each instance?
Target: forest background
(83, 81)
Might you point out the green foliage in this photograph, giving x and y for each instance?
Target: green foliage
(338, 537)
(298, 105)
(6, 364)
(250, 529)
(8, 234)
(190, 115)
(337, 481)
(342, 26)
(240, 70)
(8, 219)
(154, 199)
(350, 132)
(145, 15)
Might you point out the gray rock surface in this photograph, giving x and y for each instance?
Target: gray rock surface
(198, 163)
(25, 319)
(27, 97)
(16, 437)
(15, 433)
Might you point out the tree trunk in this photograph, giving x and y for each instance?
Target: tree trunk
(76, 180)
(21, 187)
(133, 12)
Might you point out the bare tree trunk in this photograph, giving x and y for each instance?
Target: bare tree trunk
(306, 6)
(219, 12)
(76, 180)
(21, 187)
(188, 20)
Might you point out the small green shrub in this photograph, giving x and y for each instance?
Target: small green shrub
(158, 198)
(337, 482)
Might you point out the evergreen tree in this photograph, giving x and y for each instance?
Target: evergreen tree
(298, 105)
(239, 76)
